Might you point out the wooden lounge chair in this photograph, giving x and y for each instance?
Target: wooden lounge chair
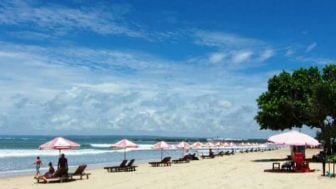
(79, 172)
(221, 154)
(185, 159)
(128, 168)
(164, 162)
(58, 176)
(117, 168)
(208, 156)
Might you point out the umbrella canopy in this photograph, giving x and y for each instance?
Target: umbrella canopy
(183, 145)
(59, 143)
(209, 144)
(123, 144)
(294, 138)
(197, 145)
(218, 144)
(161, 145)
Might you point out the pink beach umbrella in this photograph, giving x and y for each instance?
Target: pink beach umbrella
(209, 145)
(123, 144)
(183, 145)
(197, 145)
(59, 143)
(218, 144)
(161, 146)
(294, 138)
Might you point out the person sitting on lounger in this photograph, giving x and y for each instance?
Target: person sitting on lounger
(211, 154)
(63, 164)
(49, 174)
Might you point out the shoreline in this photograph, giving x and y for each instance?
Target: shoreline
(114, 160)
(236, 171)
(31, 172)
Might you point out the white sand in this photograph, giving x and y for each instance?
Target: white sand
(238, 171)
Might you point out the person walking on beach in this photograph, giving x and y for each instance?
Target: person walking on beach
(38, 163)
(63, 164)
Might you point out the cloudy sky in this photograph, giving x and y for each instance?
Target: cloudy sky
(147, 67)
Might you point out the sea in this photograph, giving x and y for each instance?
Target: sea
(18, 153)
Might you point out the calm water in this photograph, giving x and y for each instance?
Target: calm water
(17, 153)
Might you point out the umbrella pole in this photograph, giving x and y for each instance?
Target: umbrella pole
(124, 153)
(161, 153)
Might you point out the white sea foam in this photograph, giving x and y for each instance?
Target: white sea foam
(34, 152)
(100, 145)
(140, 146)
(31, 152)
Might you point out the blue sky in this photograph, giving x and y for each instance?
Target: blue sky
(184, 68)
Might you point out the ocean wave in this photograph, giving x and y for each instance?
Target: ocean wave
(30, 152)
(100, 145)
(4, 153)
(140, 146)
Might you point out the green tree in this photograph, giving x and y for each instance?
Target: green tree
(304, 97)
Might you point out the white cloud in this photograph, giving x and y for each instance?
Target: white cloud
(133, 112)
(289, 52)
(234, 50)
(315, 60)
(241, 56)
(217, 57)
(266, 54)
(311, 46)
(225, 40)
(52, 90)
(60, 20)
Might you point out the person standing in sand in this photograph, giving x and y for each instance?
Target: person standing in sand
(63, 164)
(38, 163)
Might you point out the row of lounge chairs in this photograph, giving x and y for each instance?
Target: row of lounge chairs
(123, 167)
(60, 176)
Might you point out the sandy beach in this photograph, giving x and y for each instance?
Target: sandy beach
(238, 171)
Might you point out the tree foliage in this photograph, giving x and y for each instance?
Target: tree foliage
(306, 96)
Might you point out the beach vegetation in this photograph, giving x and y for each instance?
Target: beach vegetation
(304, 97)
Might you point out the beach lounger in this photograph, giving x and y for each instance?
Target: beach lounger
(116, 168)
(79, 172)
(58, 176)
(185, 159)
(129, 167)
(207, 156)
(164, 162)
(221, 154)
